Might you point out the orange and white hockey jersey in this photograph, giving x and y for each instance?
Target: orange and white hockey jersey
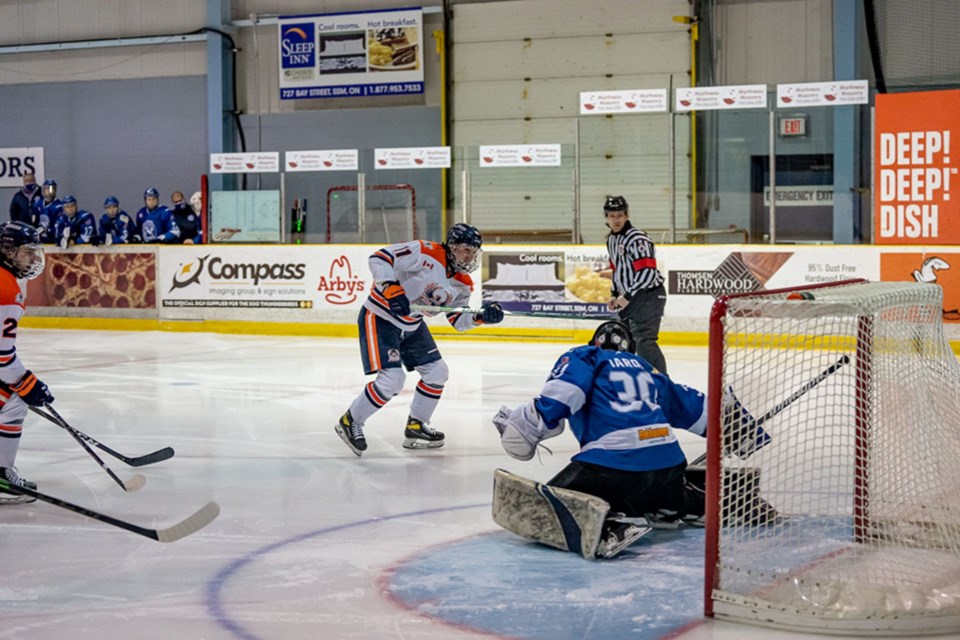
(421, 269)
(12, 302)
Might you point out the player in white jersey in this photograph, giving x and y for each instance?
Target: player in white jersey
(21, 258)
(393, 336)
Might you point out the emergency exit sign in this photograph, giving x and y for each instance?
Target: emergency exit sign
(793, 126)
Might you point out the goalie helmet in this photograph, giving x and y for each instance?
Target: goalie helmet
(464, 235)
(613, 335)
(20, 250)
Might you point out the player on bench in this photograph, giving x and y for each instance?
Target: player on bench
(623, 412)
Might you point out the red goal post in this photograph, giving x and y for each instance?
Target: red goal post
(860, 464)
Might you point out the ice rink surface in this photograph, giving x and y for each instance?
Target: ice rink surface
(312, 541)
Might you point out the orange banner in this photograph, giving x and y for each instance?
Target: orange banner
(941, 268)
(916, 168)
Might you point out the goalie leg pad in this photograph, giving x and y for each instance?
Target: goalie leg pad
(559, 518)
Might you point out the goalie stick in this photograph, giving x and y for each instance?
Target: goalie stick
(429, 309)
(133, 484)
(137, 461)
(796, 395)
(201, 518)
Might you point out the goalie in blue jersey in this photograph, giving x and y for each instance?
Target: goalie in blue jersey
(624, 414)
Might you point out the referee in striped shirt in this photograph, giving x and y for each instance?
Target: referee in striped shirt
(638, 292)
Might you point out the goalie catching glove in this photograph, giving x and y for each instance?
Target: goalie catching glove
(742, 435)
(397, 298)
(33, 392)
(522, 429)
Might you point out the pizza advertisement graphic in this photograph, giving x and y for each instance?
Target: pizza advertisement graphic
(99, 280)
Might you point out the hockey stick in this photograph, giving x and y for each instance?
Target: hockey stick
(429, 309)
(135, 483)
(139, 461)
(204, 516)
(796, 395)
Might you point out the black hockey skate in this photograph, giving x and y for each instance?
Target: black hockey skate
(417, 435)
(618, 535)
(10, 475)
(351, 433)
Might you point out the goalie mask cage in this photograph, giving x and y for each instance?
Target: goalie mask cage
(390, 214)
(861, 468)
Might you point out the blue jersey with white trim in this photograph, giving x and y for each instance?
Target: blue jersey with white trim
(621, 410)
(120, 227)
(156, 225)
(83, 227)
(45, 214)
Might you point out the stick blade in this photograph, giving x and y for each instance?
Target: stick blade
(135, 483)
(207, 514)
(151, 458)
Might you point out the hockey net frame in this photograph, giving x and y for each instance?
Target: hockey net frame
(381, 188)
(861, 468)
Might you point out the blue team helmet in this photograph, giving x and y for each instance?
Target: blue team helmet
(69, 200)
(151, 193)
(49, 189)
(111, 200)
(613, 335)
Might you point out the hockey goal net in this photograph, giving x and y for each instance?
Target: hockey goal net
(857, 388)
(389, 215)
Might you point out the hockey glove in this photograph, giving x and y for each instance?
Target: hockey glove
(397, 298)
(522, 429)
(490, 314)
(33, 392)
(742, 436)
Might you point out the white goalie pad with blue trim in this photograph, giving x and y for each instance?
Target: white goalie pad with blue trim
(560, 518)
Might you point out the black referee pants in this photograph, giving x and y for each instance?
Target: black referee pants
(643, 315)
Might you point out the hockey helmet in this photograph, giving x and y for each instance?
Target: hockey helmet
(613, 335)
(464, 235)
(49, 188)
(20, 250)
(70, 206)
(151, 193)
(615, 203)
(111, 201)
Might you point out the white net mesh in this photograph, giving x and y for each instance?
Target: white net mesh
(860, 468)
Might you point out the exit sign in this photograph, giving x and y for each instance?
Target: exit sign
(793, 126)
